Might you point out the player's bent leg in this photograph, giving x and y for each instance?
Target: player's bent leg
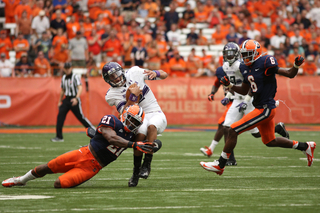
(281, 130)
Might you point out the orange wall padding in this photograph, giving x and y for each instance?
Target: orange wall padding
(33, 101)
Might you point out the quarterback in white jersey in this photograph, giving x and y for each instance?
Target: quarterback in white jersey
(155, 121)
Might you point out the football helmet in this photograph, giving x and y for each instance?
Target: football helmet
(132, 118)
(250, 51)
(113, 74)
(231, 52)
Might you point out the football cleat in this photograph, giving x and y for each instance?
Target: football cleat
(14, 181)
(133, 182)
(145, 171)
(212, 167)
(231, 163)
(56, 139)
(206, 151)
(281, 130)
(309, 152)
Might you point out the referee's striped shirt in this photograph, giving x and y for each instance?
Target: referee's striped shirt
(70, 84)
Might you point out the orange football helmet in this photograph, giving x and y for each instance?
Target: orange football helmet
(250, 51)
(132, 118)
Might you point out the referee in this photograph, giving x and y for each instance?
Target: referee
(70, 87)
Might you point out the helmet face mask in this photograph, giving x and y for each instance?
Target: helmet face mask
(113, 74)
(132, 118)
(250, 51)
(231, 52)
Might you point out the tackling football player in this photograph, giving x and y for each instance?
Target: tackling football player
(111, 138)
(259, 72)
(155, 122)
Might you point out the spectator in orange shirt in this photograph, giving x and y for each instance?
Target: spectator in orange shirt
(59, 59)
(264, 8)
(178, 67)
(112, 45)
(117, 20)
(22, 7)
(310, 68)
(127, 47)
(94, 46)
(5, 43)
(278, 24)
(218, 37)
(152, 8)
(87, 25)
(214, 18)
(42, 67)
(208, 7)
(205, 58)
(161, 43)
(39, 6)
(201, 16)
(194, 64)
(93, 7)
(293, 55)
(210, 68)
(106, 14)
(72, 27)
(280, 58)
(58, 40)
(123, 34)
(20, 45)
(259, 24)
(202, 40)
(24, 26)
(154, 56)
(10, 8)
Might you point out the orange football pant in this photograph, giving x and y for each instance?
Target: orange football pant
(78, 166)
(261, 118)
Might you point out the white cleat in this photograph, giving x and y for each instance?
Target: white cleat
(212, 167)
(206, 151)
(309, 152)
(14, 181)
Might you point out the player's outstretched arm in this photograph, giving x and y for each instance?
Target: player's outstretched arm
(293, 71)
(152, 74)
(111, 136)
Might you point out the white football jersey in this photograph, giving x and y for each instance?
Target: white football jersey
(234, 74)
(116, 96)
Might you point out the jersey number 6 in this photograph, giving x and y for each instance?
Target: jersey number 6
(254, 86)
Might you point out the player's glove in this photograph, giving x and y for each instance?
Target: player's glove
(145, 147)
(242, 106)
(225, 81)
(225, 101)
(90, 132)
(211, 97)
(298, 61)
(157, 145)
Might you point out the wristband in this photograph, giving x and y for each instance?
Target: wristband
(230, 85)
(229, 95)
(133, 97)
(295, 66)
(157, 72)
(130, 144)
(247, 98)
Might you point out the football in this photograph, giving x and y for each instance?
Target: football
(128, 93)
(157, 145)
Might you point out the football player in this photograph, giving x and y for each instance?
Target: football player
(111, 138)
(155, 121)
(240, 105)
(259, 72)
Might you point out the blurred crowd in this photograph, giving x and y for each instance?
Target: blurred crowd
(147, 33)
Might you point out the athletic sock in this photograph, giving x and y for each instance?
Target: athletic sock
(223, 159)
(231, 157)
(213, 145)
(28, 176)
(300, 146)
(137, 163)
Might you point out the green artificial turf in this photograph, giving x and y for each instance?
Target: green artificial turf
(266, 180)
